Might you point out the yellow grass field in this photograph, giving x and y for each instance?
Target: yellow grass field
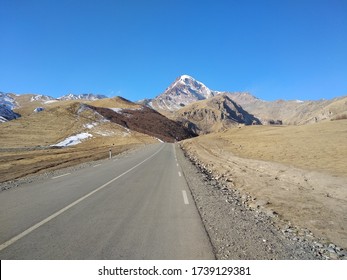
(299, 172)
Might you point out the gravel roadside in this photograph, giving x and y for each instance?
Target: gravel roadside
(239, 232)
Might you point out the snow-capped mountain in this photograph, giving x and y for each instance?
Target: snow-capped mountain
(7, 103)
(84, 96)
(8, 100)
(41, 98)
(183, 91)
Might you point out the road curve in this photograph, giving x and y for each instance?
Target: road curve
(136, 207)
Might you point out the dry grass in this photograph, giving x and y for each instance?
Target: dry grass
(301, 171)
(340, 117)
(115, 102)
(25, 142)
(320, 147)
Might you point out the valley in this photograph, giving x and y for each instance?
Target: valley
(280, 163)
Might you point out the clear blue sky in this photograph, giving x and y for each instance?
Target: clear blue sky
(280, 49)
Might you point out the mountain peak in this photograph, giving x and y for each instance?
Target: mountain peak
(183, 91)
(186, 77)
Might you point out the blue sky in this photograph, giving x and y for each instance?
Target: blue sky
(295, 49)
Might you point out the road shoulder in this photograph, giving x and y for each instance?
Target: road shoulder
(235, 231)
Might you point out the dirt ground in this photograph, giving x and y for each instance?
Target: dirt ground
(297, 172)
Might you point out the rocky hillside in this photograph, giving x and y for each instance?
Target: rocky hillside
(214, 114)
(7, 103)
(291, 111)
(140, 118)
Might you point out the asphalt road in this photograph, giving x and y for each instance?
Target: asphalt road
(135, 207)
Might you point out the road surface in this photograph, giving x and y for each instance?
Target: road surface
(135, 207)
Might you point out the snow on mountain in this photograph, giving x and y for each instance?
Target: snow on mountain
(84, 96)
(42, 98)
(183, 91)
(7, 103)
(7, 100)
(73, 140)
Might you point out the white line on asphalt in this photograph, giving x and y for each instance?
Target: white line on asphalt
(51, 217)
(61, 176)
(179, 174)
(177, 164)
(97, 165)
(185, 198)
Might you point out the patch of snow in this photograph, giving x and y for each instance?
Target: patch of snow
(2, 119)
(39, 109)
(73, 140)
(299, 101)
(117, 110)
(120, 110)
(40, 97)
(7, 101)
(85, 96)
(105, 133)
(90, 125)
(50, 101)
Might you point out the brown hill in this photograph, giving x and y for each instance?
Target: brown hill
(146, 120)
(115, 102)
(215, 114)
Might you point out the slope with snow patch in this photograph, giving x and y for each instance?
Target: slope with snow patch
(73, 140)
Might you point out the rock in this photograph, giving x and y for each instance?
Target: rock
(333, 256)
(331, 245)
(331, 250)
(39, 109)
(261, 202)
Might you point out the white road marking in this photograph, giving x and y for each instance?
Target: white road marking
(179, 174)
(97, 165)
(61, 176)
(185, 197)
(51, 217)
(177, 164)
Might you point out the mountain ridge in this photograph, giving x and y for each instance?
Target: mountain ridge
(186, 90)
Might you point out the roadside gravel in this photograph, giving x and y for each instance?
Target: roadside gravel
(239, 232)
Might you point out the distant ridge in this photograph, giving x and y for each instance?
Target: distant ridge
(84, 96)
(186, 90)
